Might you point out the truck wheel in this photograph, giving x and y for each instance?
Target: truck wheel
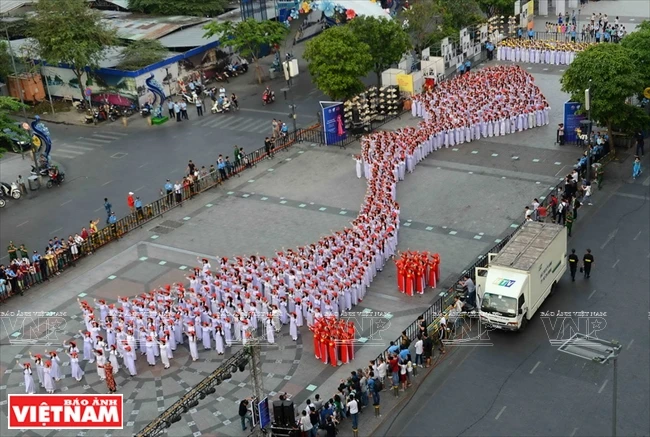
(524, 323)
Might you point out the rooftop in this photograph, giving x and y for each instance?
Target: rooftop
(136, 27)
(7, 6)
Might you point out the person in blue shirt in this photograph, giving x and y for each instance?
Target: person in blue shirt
(490, 50)
(404, 355)
(36, 257)
(573, 35)
(598, 36)
(393, 348)
(112, 219)
(138, 207)
(461, 68)
(606, 36)
(531, 34)
(468, 66)
(520, 33)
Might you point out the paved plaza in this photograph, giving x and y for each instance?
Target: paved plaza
(459, 202)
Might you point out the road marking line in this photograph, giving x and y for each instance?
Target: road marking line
(602, 387)
(592, 293)
(99, 209)
(138, 189)
(106, 183)
(575, 430)
(56, 230)
(123, 134)
(64, 154)
(143, 165)
(65, 203)
(535, 367)
(637, 235)
(230, 124)
(561, 170)
(105, 136)
(646, 183)
(6, 256)
(615, 264)
(284, 114)
(500, 413)
(630, 344)
(98, 140)
(609, 238)
(64, 145)
(73, 152)
(23, 223)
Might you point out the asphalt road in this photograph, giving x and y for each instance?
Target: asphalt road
(521, 384)
(110, 160)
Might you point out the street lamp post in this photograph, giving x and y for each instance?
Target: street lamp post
(600, 352)
(588, 109)
(289, 78)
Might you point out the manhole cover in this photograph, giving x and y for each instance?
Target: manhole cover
(161, 230)
(119, 155)
(171, 224)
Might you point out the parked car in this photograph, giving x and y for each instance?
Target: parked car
(14, 141)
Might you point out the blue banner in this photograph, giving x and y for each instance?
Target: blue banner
(572, 120)
(333, 122)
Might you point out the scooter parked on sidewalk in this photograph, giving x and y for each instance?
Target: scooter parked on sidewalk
(10, 190)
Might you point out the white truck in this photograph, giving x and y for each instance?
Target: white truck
(521, 276)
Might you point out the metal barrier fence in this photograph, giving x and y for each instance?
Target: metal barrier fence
(432, 314)
(51, 265)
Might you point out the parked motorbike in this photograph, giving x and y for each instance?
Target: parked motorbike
(114, 113)
(240, 68)
(189, 99)
(224, 107)
(41, 171)
(232, 71)
(89, 117)
(10, 190)
(146, 110)
(3, 202)
(100, 115)
(268, 97)
(55, 179)
(80, 105)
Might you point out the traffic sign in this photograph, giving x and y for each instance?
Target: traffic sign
(89, 92)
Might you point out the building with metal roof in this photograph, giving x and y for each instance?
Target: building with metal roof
(7, 6)
(134, 27)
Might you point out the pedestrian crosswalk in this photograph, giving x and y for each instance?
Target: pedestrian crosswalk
(234, 122)
(71, 149)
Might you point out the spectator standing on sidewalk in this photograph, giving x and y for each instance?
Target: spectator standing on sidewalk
(199, 107)
(244, 414)
(178, 193)
(138, 208)
(170, 108)
(177, 111)
(169, 192)
(330, 427)
(639, 144)
(22, 185)
(12, 251)
(305, 424)
(353, 410)
(427, 348)
(267, 147)
(184, 111)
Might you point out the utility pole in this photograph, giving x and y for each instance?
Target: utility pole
(20, 88)
(288, 76)
(254, 351)
(588, 108)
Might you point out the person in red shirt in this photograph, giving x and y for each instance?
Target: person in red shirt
(393, 365)
(130, 200)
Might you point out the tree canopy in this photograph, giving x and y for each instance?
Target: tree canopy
(497, 7)
(7, 106)
(638, 42)
(248, 37)
(69, 32)
(386, 39)
(337, 59)
(141, 53)
(5, 61)
(613, 76)
(200, 8)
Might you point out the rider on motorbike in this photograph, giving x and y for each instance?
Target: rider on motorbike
(267, 96)
(55, 176)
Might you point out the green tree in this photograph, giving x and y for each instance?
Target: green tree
(199, 8)
(69, 32)
(458, 14)
(638, 42)
(141, 53)
(337, 59)
(7, 106)
(248, 37)
(613, 76)
(497, 7)
(5, 61)
(386, 38)
(424, 23)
